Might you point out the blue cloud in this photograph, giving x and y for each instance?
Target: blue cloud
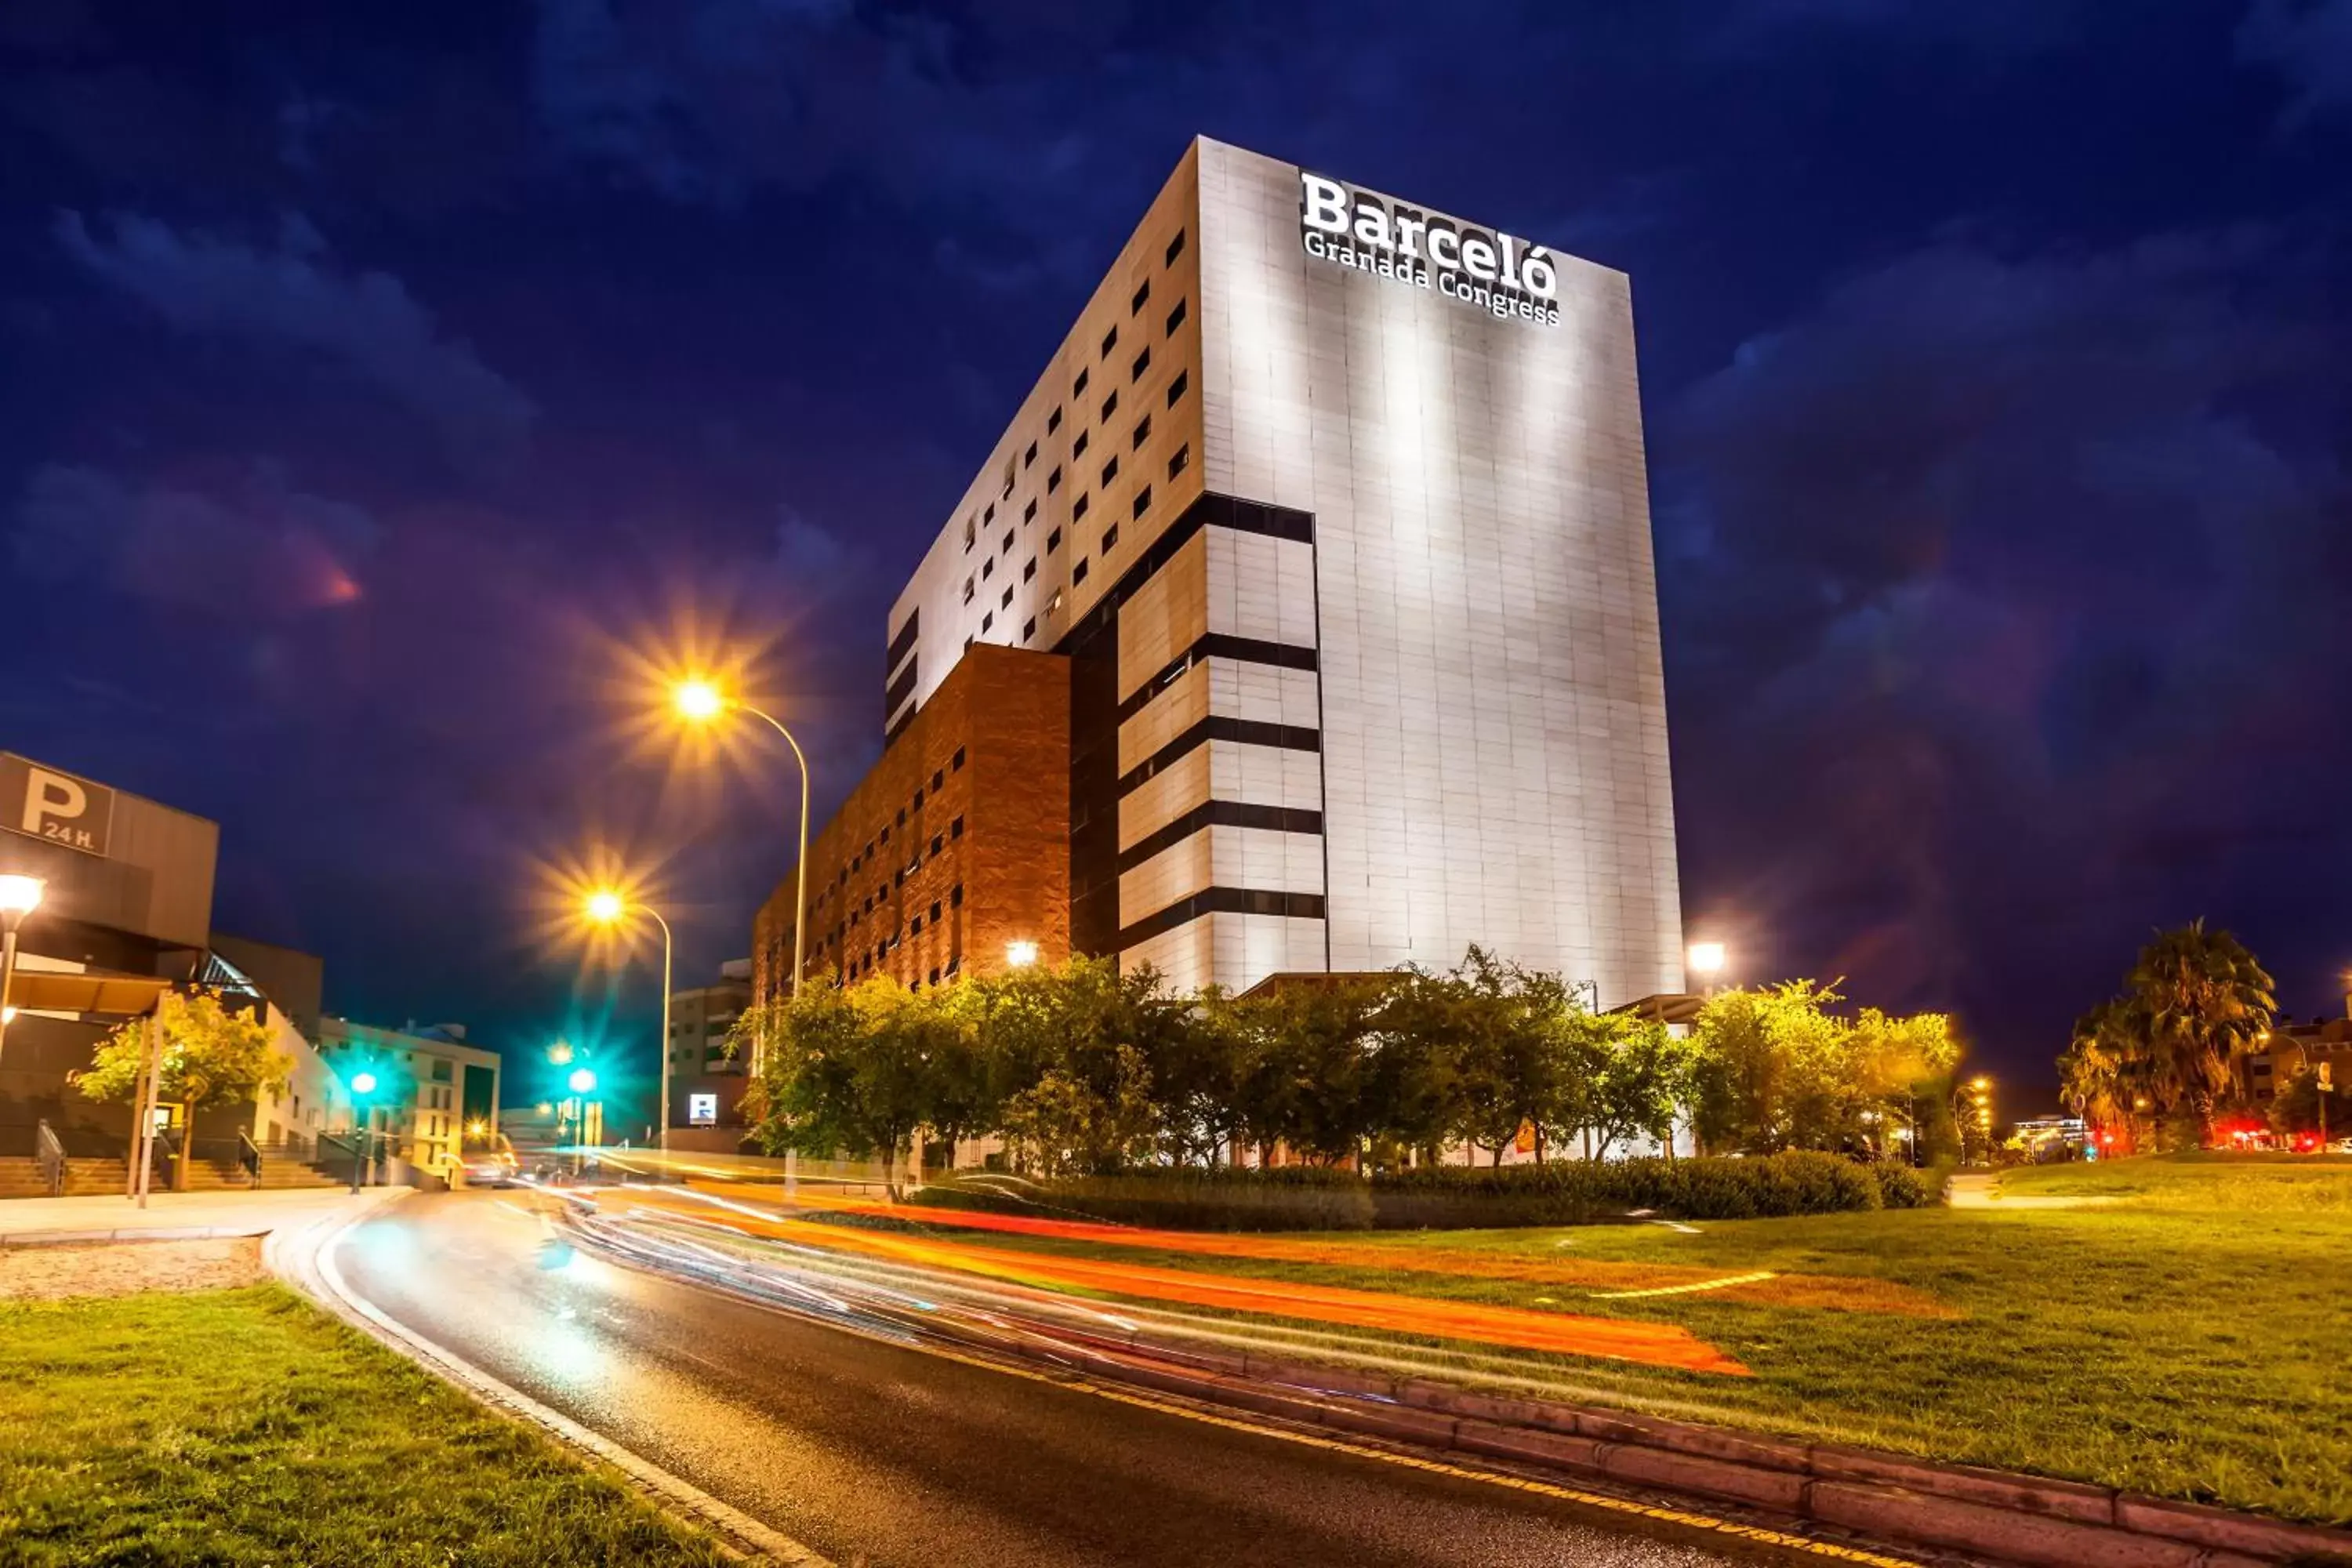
(293, 294)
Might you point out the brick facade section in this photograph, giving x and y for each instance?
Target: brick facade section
(873, 871)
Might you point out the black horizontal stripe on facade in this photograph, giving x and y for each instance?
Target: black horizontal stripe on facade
(1242, 732)
(1219, 814)
(1217, 644)
(903, 640)
(1221, 902)
(1210, 511)
(899, 691)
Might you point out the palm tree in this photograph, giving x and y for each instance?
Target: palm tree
(2206, 1001)
(2094, 1073)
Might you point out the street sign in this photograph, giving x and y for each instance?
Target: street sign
(702, 1110)
(54, 807)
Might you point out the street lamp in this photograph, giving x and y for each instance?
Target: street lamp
(606, 907)
(19, 896)
(362, 1087)
(1020, 955)
(701, 701)
(584, 1084)
(1704, 959)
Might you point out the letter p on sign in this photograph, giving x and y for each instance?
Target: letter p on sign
(51, 798)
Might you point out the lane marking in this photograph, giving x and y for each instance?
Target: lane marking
(1725, 1283)
(1078, 1383)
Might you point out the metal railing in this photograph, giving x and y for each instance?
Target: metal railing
(50, 1154)
(248, 1156)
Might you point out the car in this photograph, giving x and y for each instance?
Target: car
(487, 1168)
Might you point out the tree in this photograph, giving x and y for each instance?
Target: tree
(1302, 1061)
(1643, 1077)
(1774, 1068)
(2205, 1001)
(212, 1055)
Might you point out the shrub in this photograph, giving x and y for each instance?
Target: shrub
(1288, 1197)
(1448, 1197)
(1580, 1192)
(1901, 1187)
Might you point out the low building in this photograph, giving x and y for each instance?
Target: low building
(2292, 1049)
(705, 1081)
(431, 1084)
(952, 854)
(128, 890)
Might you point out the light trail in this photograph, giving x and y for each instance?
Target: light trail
(1648, 1343)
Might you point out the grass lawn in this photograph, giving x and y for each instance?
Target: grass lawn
(2185, 1337)
(245, 1426)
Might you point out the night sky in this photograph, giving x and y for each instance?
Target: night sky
(385, 385)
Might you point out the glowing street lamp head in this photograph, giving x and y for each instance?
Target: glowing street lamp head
(697, 700)
(560, 1053)
(583, 1081)
(606, 905)
(1706, 957)
(20, 895)
(1020, 955)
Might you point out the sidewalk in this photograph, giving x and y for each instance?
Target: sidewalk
(34, 1222)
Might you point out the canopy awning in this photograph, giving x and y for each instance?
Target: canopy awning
(1665, 1007)
(85, 991)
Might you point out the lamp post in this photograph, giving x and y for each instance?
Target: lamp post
(363, 1104)
(582, 1084)
(19, 896)
(608, 906)
(698, 701)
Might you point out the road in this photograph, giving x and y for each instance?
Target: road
(882, 1455)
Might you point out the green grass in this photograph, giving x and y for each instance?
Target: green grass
(2185, 1342)
(244, 1426)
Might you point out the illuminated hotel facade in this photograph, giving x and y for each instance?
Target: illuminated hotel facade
(1330, 513)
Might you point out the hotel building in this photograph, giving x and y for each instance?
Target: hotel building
(1307, 605)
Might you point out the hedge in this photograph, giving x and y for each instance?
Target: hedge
(1573, 1192)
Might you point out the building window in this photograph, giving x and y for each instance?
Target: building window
(1176, 318)
(967, 590)
(1029, 456)
(1029, 628)
(1181, 461)
(1142, 431)
(1143, 501)
(939, 780)
(955, 828)
(971, 531)
(1142, 362)
(1030, 570)
(1011, 468)
(1078, 387)
(987, 621)
(955, 897)
(1007, 602)
(1078, 573)
(988, 568)
(919, 798)
(1078, 509)
(1175, 248)
(1029, 512)
(1110, 539)
(1110, 407)
(1078, 447)
(1053, 481)
(1054, 420)
(934, 911)
(957, 763)
(1007, 545)
(1110, 342)
(915, 926)
(1177, 387)
(935, 974)
(989, 515)
(939, 842)
(1140, 296)
(1053, 541)
(1110, 470)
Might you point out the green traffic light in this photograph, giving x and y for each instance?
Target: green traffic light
(583, 1082)
(363, 1083)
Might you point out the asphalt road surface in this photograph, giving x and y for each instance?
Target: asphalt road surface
(884, 1456)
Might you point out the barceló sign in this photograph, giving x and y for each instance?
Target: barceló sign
(1496, 272)
(56, 807)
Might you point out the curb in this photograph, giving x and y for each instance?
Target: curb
(2027, 1520)
(314, 1274)
(130, 1234)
